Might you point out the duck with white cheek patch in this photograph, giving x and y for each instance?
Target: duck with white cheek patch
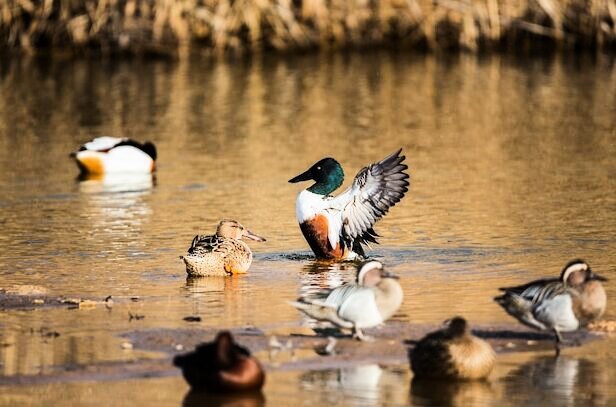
(562, 304)
(371, 300)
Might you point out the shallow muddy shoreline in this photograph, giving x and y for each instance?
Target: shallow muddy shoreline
(285, 349)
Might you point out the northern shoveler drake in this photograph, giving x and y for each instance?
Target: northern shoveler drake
(220, 254)
(452, 353)
(371, 300)
(221, 366)
(336, 227)
(558, 304)
(106, 155)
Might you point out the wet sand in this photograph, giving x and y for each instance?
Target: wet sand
(283, 349)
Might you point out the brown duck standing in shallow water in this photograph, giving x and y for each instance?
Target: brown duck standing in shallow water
(221, 366)
(452, 353)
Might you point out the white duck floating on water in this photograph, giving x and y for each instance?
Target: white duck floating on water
(112, 155)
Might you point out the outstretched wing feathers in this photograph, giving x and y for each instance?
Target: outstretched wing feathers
(376, 188)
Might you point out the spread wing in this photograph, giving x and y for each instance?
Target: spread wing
(376, 188)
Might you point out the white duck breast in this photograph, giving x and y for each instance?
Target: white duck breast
(127, 159)
(557, 312)
(309, 205)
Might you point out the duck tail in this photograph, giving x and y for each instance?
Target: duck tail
(516, 306)
(321, 312)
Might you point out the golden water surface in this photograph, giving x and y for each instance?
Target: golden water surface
(512, 170)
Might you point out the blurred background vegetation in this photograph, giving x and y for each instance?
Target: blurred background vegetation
(181, 27)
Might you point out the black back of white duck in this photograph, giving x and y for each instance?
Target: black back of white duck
(452, 353)
(113, 155)
(561, 304)
(338, 227)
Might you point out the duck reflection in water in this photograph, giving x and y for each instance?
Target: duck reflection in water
(196, 398)
(564, 380)
(117, 205)
(366, 382)
(215, 296)
(451, 393)
(110, 183)
(317, 275)
(114, 199)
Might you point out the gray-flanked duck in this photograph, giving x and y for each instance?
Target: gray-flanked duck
(221, 366)
(558, 304)
(452, 353)
(337, 227)
(221, 254)
(112, 155)
(371, 300)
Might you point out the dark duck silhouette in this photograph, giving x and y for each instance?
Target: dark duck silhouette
(221, 366)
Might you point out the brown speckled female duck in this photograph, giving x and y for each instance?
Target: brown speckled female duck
(221, 254)
(452, 353)
(221, 366)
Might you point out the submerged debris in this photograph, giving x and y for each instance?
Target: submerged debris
(607, 326)
(50, 334)
(108, 302)
(136, 317)
(87, 304)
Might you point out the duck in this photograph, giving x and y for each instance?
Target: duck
(561, 304)
(338, 227)
(452, 353)
(221, 366)
(221, 254)
(369, 301)
(112, 155)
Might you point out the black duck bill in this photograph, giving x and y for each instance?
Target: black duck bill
(597, 277)
(304, 176)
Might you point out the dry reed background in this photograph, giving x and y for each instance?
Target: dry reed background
(236, 26)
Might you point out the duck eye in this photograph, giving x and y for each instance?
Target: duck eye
(318, 168)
